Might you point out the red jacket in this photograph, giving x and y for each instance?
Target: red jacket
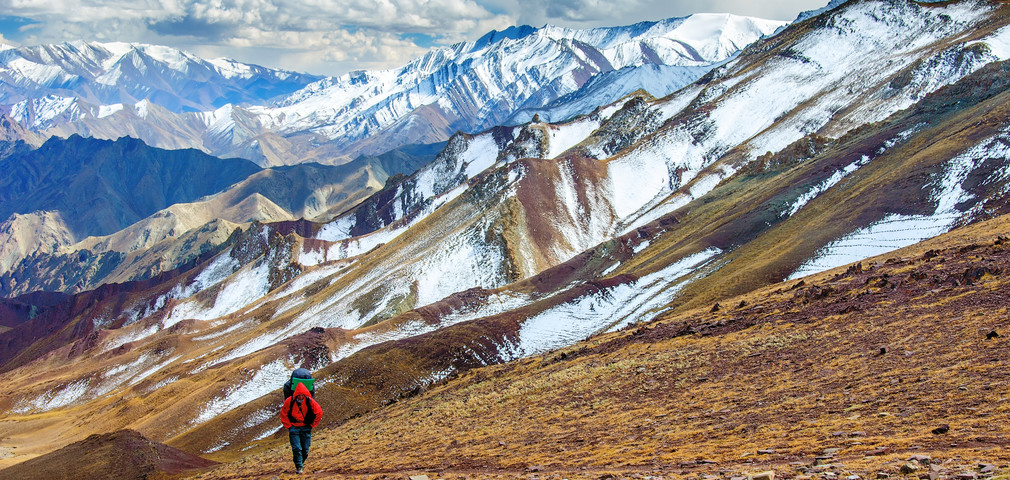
(300, 409)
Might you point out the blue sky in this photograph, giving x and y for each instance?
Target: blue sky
(334, 36)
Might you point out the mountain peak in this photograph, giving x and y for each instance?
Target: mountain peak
(495, 36)
(124, 73)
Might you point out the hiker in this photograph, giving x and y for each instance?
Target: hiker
(301, 375)
(300, 414)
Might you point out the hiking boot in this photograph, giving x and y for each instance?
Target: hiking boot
(298, 470)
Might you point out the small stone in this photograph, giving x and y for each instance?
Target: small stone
(876, 452)
(418, 477)
(987, 468)
(853, 477)
(766, 451)
(857, 434)
(933, 476)
(909, 468)
(923, 459)
(831, 451)
(966, 476)
(769, 475)
(883, 476)
(942, 429)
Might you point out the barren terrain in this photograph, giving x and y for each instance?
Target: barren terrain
(850, 372)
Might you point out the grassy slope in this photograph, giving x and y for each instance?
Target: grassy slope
(855, 361)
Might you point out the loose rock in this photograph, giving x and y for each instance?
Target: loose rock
(769, 475)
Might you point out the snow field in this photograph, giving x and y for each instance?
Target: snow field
(898, 231)
(564, 137)
(999, 43)
(605, 309)
(822, 187)
(268, 378)
(582, 226)
(239, 291)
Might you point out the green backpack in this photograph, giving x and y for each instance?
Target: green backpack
(308, 382)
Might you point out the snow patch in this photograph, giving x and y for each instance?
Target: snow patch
(268, 378)
(610, 308)
(898, 231)
(108, 110)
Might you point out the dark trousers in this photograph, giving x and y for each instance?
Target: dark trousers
(301, 438)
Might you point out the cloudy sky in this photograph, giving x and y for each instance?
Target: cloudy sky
(334, 36)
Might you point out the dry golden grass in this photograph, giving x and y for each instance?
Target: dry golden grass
(769, 385)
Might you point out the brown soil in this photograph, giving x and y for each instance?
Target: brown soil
(862, 367)
(120, 455)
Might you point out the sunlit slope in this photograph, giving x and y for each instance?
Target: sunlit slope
(847, 372)
(518, 241)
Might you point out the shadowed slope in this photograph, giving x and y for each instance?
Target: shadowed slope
(123, 455)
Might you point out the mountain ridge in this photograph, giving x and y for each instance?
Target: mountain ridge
(468, 86)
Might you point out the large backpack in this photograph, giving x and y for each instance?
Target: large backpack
(300, 375)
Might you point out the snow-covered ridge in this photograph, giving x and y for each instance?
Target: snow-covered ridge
(509, 74)
(117, 73)
(471, 86)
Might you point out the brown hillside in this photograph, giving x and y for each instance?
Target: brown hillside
(121, 455)
(843, 373)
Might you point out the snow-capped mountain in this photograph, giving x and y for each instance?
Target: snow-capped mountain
(864, 129)
(47, 78)
(476, 85)
(469, 87)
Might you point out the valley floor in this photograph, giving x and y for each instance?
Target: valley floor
(846, 374)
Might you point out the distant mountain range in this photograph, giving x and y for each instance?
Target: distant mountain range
(275, 117)
(82, 212)
(868, 127)
(37, 79)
